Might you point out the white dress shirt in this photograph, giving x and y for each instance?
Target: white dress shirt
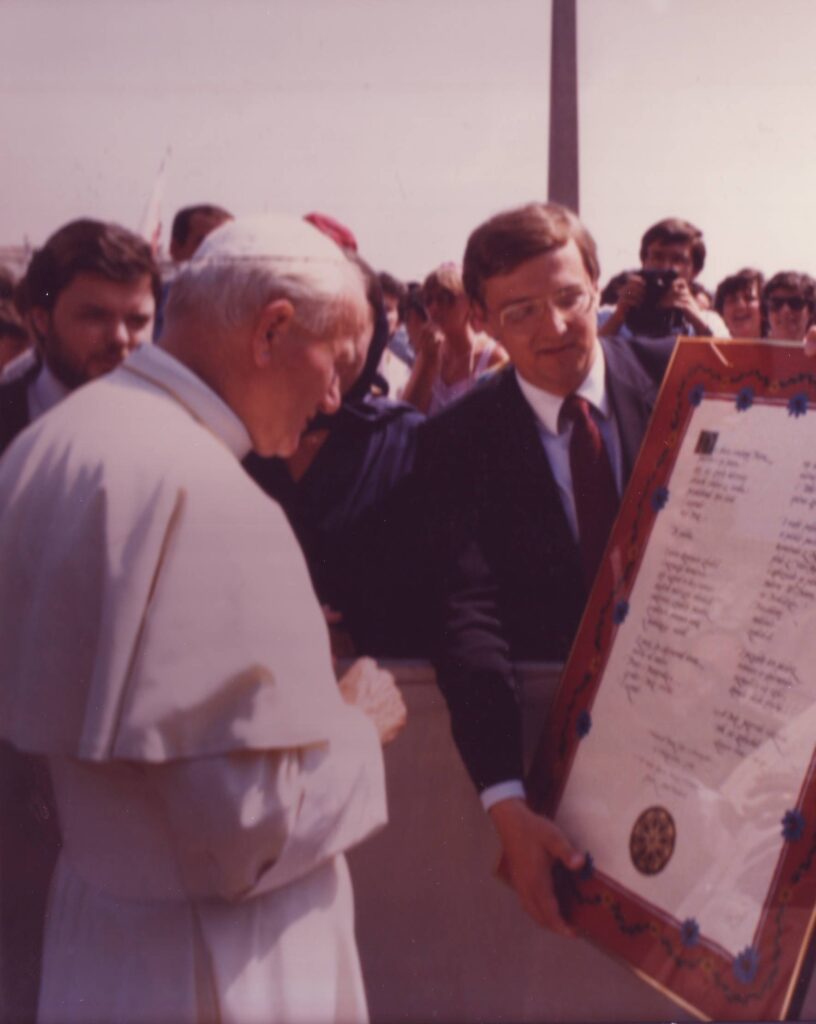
(547, 408)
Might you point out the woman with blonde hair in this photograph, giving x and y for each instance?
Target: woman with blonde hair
(452, 355)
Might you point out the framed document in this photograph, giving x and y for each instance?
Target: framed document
(680, 751)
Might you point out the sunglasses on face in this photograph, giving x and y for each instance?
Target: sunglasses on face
(795, 303)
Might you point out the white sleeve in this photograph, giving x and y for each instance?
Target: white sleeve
(502, 791)
(715, 323)
(245, 823)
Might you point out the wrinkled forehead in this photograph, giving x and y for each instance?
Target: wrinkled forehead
(556, 269)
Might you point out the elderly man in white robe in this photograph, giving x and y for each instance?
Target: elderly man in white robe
(162, 647)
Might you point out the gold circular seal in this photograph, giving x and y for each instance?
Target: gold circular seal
(651, 843)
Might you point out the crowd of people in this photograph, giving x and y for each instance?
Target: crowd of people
(313, 460)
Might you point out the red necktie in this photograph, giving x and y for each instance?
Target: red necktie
(593, 483)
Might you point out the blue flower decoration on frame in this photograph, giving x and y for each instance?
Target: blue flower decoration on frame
(746, 965)
(689, 932)
(793, 826)
(660, 497)
(798, 405)
(745, 399)
(620, 611)
(588, 870)
(696, 394)
(583, 723)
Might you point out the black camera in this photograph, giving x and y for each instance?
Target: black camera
(649, 320)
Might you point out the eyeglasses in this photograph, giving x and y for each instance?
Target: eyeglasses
(795, 303)
(525, 316)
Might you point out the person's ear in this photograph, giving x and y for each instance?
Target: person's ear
(40, 322)
(272, 326)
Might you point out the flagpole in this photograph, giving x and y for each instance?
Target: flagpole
(151, 224)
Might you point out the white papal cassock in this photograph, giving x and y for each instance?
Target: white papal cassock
(161, 644)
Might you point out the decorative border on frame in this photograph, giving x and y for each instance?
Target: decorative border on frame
(754, 979)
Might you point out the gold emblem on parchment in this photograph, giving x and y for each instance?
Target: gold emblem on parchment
(651, 843)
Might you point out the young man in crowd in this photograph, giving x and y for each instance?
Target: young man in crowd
(398, 357)
(788, 303)
(662, 302)
(88, 297)
(191, 225)
(524, 477)
(394, 293)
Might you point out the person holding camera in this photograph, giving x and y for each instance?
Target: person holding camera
(658, 300)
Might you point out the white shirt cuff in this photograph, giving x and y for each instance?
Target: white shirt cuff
(502, 791)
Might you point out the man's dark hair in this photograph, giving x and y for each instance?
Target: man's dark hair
(737, 283)
(90, 247)
(390, 285)
(802, 284)
(511, 238)
(791, 280)
(183, 220)
(674, 231)
(413, 302)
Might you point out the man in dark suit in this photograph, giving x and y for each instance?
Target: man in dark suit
(525, 475)
(88, 295)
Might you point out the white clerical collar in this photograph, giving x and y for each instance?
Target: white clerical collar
(547, 406)
(159, 367)
(44, 392)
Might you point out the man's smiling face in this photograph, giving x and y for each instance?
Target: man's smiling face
(545, 315)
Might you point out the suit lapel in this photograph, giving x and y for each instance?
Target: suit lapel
(632, 395)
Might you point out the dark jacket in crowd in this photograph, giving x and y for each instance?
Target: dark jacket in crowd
(29, 831)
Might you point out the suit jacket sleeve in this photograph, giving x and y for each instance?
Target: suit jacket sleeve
(471, 653)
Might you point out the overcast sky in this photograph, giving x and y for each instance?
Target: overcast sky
(412, 120)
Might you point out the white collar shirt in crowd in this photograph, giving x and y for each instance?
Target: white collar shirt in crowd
(547, 407)
(44, 391)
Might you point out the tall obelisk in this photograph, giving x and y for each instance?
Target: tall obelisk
(562, 186)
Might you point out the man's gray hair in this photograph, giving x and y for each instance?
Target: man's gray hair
(251, 261)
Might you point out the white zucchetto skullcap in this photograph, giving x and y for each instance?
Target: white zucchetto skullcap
(268, 236)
